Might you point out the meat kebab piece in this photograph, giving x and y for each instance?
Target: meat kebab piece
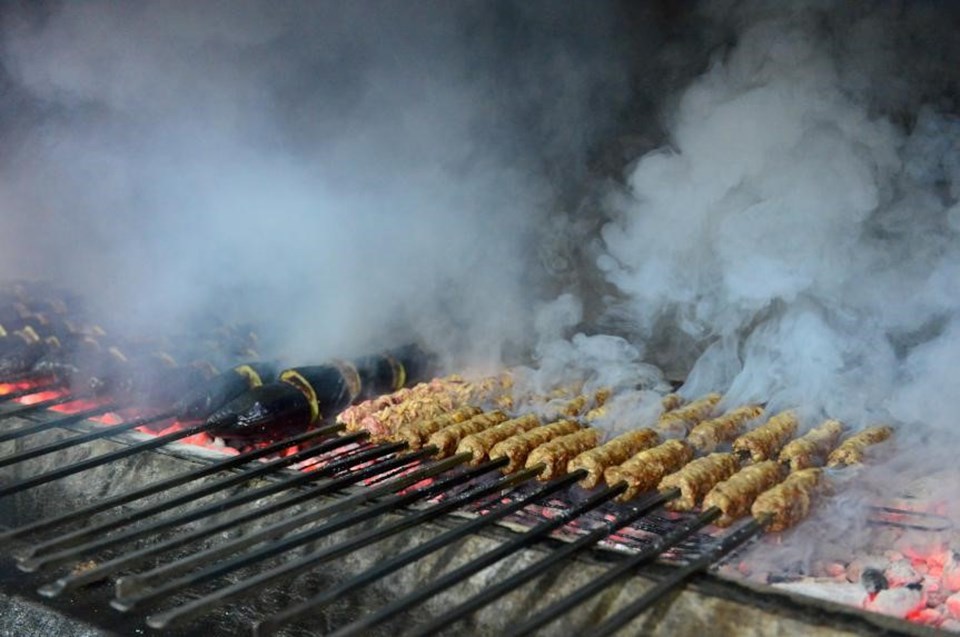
(765, 441)
(679, 421)
(352, 417)
(735, 495)
(789, 502)
(480, 443)
(611, 454)
(644, 471)
(851, 450)
(447, 439)
(710, 434)
(667, 403)
(517, 448)
(556, 454)
(811, 449)
(697, 478)
(417, 433)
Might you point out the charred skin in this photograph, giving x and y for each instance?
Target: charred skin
(202, 400)
(333, 387)
(268, 412)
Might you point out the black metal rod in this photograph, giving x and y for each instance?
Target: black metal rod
(102, 432)
(164, 485)
(303, 563)
(45, 404)
(29, 391)
(133, 586)
(444, 582)
(43, 558)
(270, 625)
(624, 568)
(74, 581)
(625, 615)
(69, 419)
(516, 580)
(89, 463)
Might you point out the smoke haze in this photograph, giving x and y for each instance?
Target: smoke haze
(759, 197)
(349, 174)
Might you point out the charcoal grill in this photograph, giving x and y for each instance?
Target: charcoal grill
(712, 603)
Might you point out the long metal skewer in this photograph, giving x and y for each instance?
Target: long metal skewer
(130, 587)
(676, 535)
(47, 559)
(518, 579)
(526, 539)
(59, 422)
(270, 625)
(125, 562)
(89, 463)
(195, 607)
(164, 485)
(102, 432)
(625, 615)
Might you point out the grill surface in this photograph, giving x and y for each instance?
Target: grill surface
(719, 606)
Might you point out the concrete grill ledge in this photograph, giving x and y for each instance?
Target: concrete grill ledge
(710, 606)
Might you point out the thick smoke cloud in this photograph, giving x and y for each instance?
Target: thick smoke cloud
(350, 174)
(795, 240)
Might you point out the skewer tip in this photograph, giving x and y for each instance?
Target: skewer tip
(52, 589)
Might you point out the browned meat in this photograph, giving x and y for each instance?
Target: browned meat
(353, 416)
(735, 495)
(646, 469)
(697, 478)
(679, 421)
(765, 441)
(518, 447)
(851, 450)
(416, 433)
(811, 449)
(710, 434)
(557, 453)
(789, 502)
(612, 453)
(480, 443)
(447, 439)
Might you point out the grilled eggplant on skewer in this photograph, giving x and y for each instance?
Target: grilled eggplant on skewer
(200, 402)
(306, 394)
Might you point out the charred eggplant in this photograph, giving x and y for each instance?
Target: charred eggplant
(202, 400)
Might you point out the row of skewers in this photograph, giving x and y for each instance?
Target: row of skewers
(484, 424)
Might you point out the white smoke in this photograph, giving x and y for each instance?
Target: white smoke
(349, 174)
(799, 228)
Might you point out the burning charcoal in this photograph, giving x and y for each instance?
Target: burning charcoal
(953, 605)
(856, 568)
(951, 625)
(897, 602)
(874, 581)
(902, 573)
(951, 572)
